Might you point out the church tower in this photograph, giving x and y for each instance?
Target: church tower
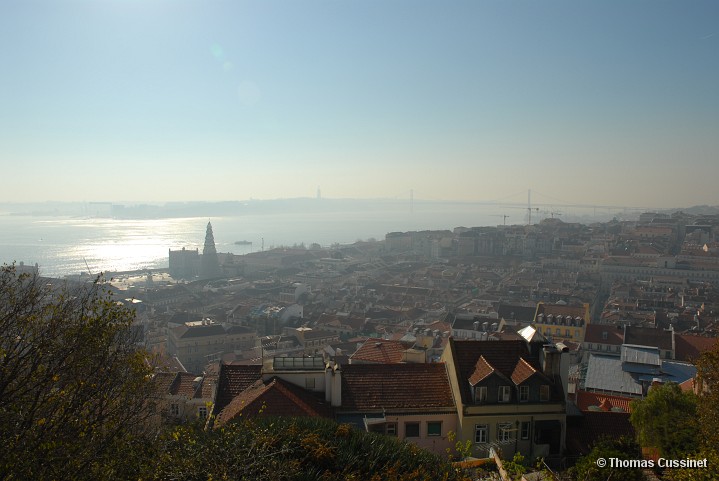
(210, 266)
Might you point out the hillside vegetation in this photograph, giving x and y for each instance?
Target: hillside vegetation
(292, 449)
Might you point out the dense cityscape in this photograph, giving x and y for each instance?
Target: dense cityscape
(477, 343)
(318, 240)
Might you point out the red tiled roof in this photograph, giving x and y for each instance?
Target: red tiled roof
(516, 312)
(276, 398)
(327, 319)
(355, 322)
(689, 347)
(169, 364)
(184, 385)
(648, 336)
(688, 385)
(379, 351)
(522, 371)
(502, 356)
(440, 326)
(561, 310)
(206, 390)
(585, 399)
(595, 333)
(481, 370)
(392, 386)
(506, 336)
(233, 379)
(162, 382)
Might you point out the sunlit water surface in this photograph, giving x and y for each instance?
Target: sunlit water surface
(68, 246)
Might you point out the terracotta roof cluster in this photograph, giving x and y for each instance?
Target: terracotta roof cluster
(232, 380)
(516, 312)
(162, 381)
(521, 372)
(561, 310)
(183, 384)
(511, 359)
(187, 332)
(275, 397)
(689, 347)
(380, 351)
(604, 334)
(585, 400)
(649, 336)
(395, 386)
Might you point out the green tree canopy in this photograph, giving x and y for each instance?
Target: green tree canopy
(667, 419)
(708, 415)
(587, 468)
(708, 403)
(293, 449)
(73, 384)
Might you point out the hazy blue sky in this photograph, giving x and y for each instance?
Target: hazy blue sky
(597, 102)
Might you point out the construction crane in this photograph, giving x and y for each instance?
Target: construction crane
(529, 214)
(501, 215)
(552, 213)
(529, 207)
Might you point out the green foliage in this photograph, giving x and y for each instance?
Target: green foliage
(515, 468)
(462, 448)
(708, 416)
(292, 449)
(72, 382)
(623, 448)
(708, 403)
(709, 473)
(666, 419)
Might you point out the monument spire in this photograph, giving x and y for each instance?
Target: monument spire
(210, 267)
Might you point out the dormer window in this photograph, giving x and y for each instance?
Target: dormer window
(504, 394)
(544, 392)
(523, 394)
(480, 394)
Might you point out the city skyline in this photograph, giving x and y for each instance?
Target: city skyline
(592, 103)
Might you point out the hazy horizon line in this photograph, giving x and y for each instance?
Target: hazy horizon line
(498, 202)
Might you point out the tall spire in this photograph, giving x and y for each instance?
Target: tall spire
(210, 267)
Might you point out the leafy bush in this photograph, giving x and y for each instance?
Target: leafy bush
(292, 449)
(73, 385)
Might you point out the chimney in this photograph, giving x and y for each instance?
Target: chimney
(554, 360)
(674, 349)
(336, 394)
(329, 368)
(333, 384)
